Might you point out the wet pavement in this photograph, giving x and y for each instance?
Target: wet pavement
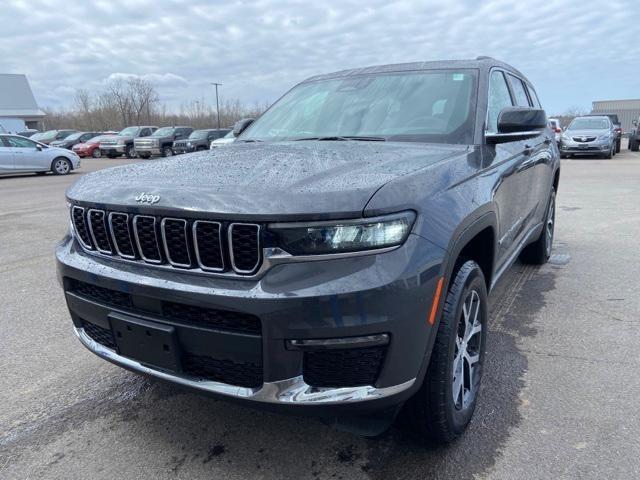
(558, 399)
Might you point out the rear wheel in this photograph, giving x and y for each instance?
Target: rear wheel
(60, 166)
(441, 410)
(538, 252)
(634, 145)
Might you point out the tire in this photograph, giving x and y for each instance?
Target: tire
(61, 166)
(538, 252)
(167, 151)
(618, 145)
(130, 152)
(96, 153)
(441, 410)
(609, 154)
(634, 145)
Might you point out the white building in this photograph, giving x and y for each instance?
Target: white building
(627, 110)
(18, 107)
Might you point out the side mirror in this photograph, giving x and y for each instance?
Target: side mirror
(518, 123)
(241, 126)
(38, 147)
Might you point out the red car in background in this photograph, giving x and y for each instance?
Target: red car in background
(90, 148)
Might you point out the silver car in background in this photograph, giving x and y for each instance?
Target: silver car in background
(589, 136)
(23, 155)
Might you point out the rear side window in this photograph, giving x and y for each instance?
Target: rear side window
(519, 91)
(499, 98)
(534, 97)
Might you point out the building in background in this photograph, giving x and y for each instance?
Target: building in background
(627, 110)
(18, 107)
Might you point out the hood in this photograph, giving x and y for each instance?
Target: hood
(117, 137)
(586, 133)
(295, 180)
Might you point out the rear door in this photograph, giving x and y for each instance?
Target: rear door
(6, 157)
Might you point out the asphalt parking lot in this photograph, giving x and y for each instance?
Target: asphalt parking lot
(559, 396)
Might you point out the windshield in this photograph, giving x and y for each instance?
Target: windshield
(198, 134)
(97, 139)
(432, 106)
(48, 135)
(589, 124)
(129, 132)
(74, 136)
(229, 135)
(163, 132)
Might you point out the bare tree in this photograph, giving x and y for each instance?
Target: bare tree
(142, 98)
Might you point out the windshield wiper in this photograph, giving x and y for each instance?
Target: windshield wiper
(343, 138)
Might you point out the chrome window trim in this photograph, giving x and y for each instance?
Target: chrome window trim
(194, 229)
(135, 233)
(287, 391)
(75, 227)
(113, 236)
(230, 240)
(164, 241)
(93, 235)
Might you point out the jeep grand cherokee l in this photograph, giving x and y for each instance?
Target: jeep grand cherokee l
(336, 259)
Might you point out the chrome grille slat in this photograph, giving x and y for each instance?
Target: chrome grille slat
(98, 230)
(121, 235)
(176, 244)
(144, 230)
(207, 242)
(79, 220)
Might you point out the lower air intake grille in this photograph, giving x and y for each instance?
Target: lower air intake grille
(98, 334)
(100, 295)
(343, 368)
(226, 371)
(209, 318)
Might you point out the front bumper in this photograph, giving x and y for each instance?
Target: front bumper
(587, 148)
(146, 150)
(387, 293)
(180, 149)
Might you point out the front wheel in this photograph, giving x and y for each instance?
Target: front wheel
(167, 152)
(61, 166)
(441, 410)
(96, 153)
(130, 152)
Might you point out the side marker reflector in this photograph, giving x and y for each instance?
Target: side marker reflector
(436, 301)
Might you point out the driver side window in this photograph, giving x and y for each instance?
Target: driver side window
(18, 142)
(499, 98)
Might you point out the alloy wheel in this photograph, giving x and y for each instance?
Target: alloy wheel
(466, 359)
(61, 166)
(549, 226)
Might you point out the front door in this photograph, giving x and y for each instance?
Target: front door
(28, 155)
(6, 157)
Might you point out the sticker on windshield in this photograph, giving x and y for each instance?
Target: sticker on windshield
(458, 77)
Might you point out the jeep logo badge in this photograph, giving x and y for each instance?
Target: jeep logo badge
(147, 198)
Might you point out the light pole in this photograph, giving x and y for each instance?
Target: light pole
(217, 104)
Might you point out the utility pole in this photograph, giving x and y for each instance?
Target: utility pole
(217, 104)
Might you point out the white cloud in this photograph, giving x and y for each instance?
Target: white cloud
(574, 51)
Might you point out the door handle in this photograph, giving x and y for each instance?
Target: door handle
(527, 150)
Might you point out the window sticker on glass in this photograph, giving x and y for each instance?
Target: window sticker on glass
(458, 77)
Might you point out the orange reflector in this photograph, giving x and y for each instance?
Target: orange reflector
(436, 301)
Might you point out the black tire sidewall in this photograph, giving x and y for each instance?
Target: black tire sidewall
(473, 279)
(53, 167)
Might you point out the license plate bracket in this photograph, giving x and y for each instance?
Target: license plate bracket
(148, 342)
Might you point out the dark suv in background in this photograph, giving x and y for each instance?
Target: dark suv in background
(336, 259)
(199, 140)
(634, 136)
(161, 141)
(74, 139)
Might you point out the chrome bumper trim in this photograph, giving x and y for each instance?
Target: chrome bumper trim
(292, 391)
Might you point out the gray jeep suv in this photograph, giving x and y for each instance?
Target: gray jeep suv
(334, 260)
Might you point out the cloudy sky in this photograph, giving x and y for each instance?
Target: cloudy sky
(574, 51)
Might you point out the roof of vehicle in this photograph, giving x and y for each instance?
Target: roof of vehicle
(480, 63)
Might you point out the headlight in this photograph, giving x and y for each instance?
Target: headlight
(606, 136)
(189, 144)
(316, 238)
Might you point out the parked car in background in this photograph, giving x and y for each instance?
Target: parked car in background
(91, 148)
(617, 126)
(226, 140)
(199, 140)
(69, 141)
(353, 280)
(161, 141)
(52, 135)
(554, 125)
(122, 143)
(22, 155)
(589, 135)
(634, 136)
(28, 133)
